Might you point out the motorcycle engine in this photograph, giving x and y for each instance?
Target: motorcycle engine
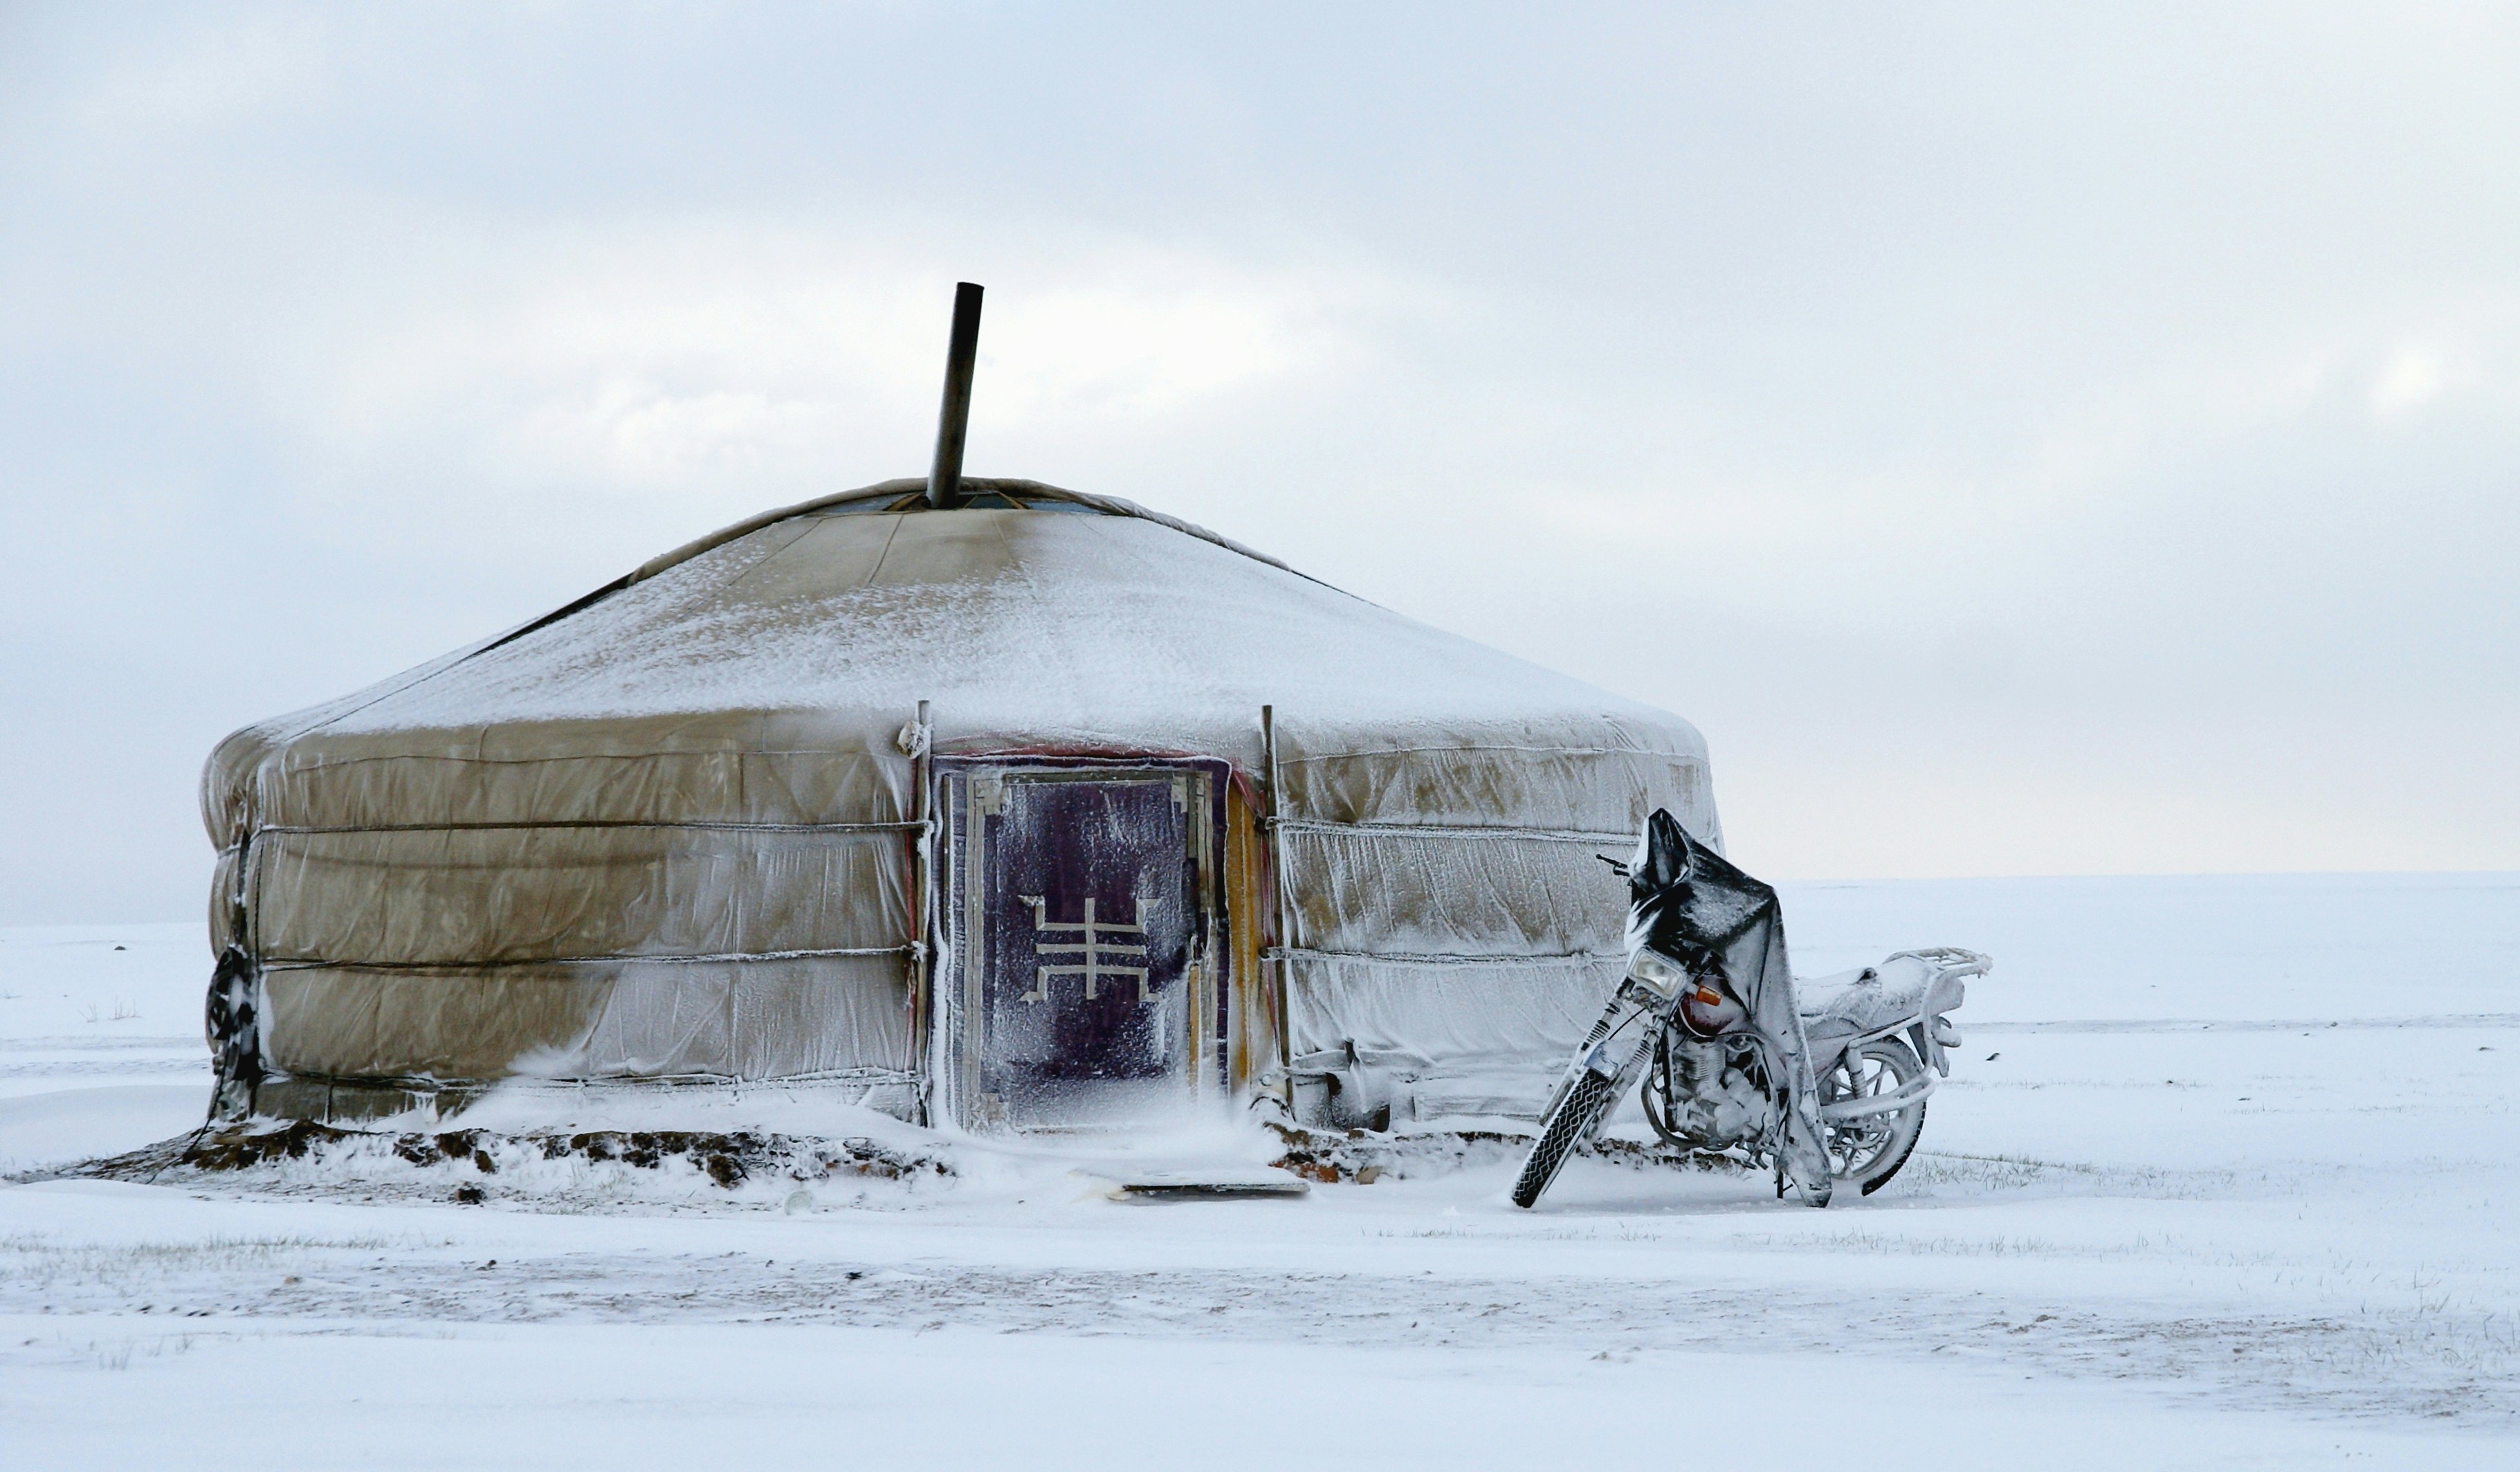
(1712, 1101)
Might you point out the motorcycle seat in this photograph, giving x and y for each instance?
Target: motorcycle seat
(1908, 985)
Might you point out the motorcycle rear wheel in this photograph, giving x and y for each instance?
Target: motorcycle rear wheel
(1578, 1110)
(1865, 1153)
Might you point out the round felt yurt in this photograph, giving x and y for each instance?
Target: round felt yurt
(1006, 807)
(695, 828)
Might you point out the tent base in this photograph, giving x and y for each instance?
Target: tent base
(355, 1102)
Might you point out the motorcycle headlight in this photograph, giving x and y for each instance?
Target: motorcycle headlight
(1657, 973)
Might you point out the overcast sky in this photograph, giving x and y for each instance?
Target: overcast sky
(2023, 442)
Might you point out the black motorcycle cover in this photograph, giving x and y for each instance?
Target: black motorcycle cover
(1690, 905)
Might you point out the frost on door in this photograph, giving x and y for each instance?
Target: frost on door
(1079, 934)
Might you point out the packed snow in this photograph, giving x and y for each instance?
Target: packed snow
(2221, 1179)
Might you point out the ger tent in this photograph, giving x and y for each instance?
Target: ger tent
(695, 829)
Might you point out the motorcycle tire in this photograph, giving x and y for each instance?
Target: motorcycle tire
(1899, 1066)
(1578, 1110)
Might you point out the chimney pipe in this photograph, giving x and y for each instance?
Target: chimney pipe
(945, 477)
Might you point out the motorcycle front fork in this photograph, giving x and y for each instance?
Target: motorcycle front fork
(1618, 1048)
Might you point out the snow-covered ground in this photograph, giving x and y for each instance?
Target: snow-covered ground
(2222, 1179)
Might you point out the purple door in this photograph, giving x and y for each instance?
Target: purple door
(1080, 931)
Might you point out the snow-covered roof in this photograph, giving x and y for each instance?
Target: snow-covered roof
(1117, 627)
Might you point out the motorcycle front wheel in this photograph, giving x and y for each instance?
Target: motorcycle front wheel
(1865, 1153)
(1579, 1108)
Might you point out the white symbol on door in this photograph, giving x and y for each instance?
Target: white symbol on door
(1086, 953)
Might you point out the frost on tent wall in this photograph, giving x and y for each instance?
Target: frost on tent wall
(671, 833)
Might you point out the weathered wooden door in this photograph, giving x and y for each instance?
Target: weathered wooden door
(1079, 927)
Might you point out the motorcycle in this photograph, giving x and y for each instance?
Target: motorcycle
(1826, 1081)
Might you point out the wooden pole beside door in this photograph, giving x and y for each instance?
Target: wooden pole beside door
(922, 885)
(1280, 916)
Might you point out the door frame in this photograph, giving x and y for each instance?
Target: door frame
(966, 790)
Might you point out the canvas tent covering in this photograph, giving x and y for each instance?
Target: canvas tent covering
(688, 828)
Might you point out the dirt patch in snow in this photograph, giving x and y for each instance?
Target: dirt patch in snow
(728, 1161)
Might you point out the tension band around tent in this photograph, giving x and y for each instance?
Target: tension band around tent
(1450, 830)
(1576, 958)
(422, 1083)
(911, 826)
(310, 963)
(914, 826)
